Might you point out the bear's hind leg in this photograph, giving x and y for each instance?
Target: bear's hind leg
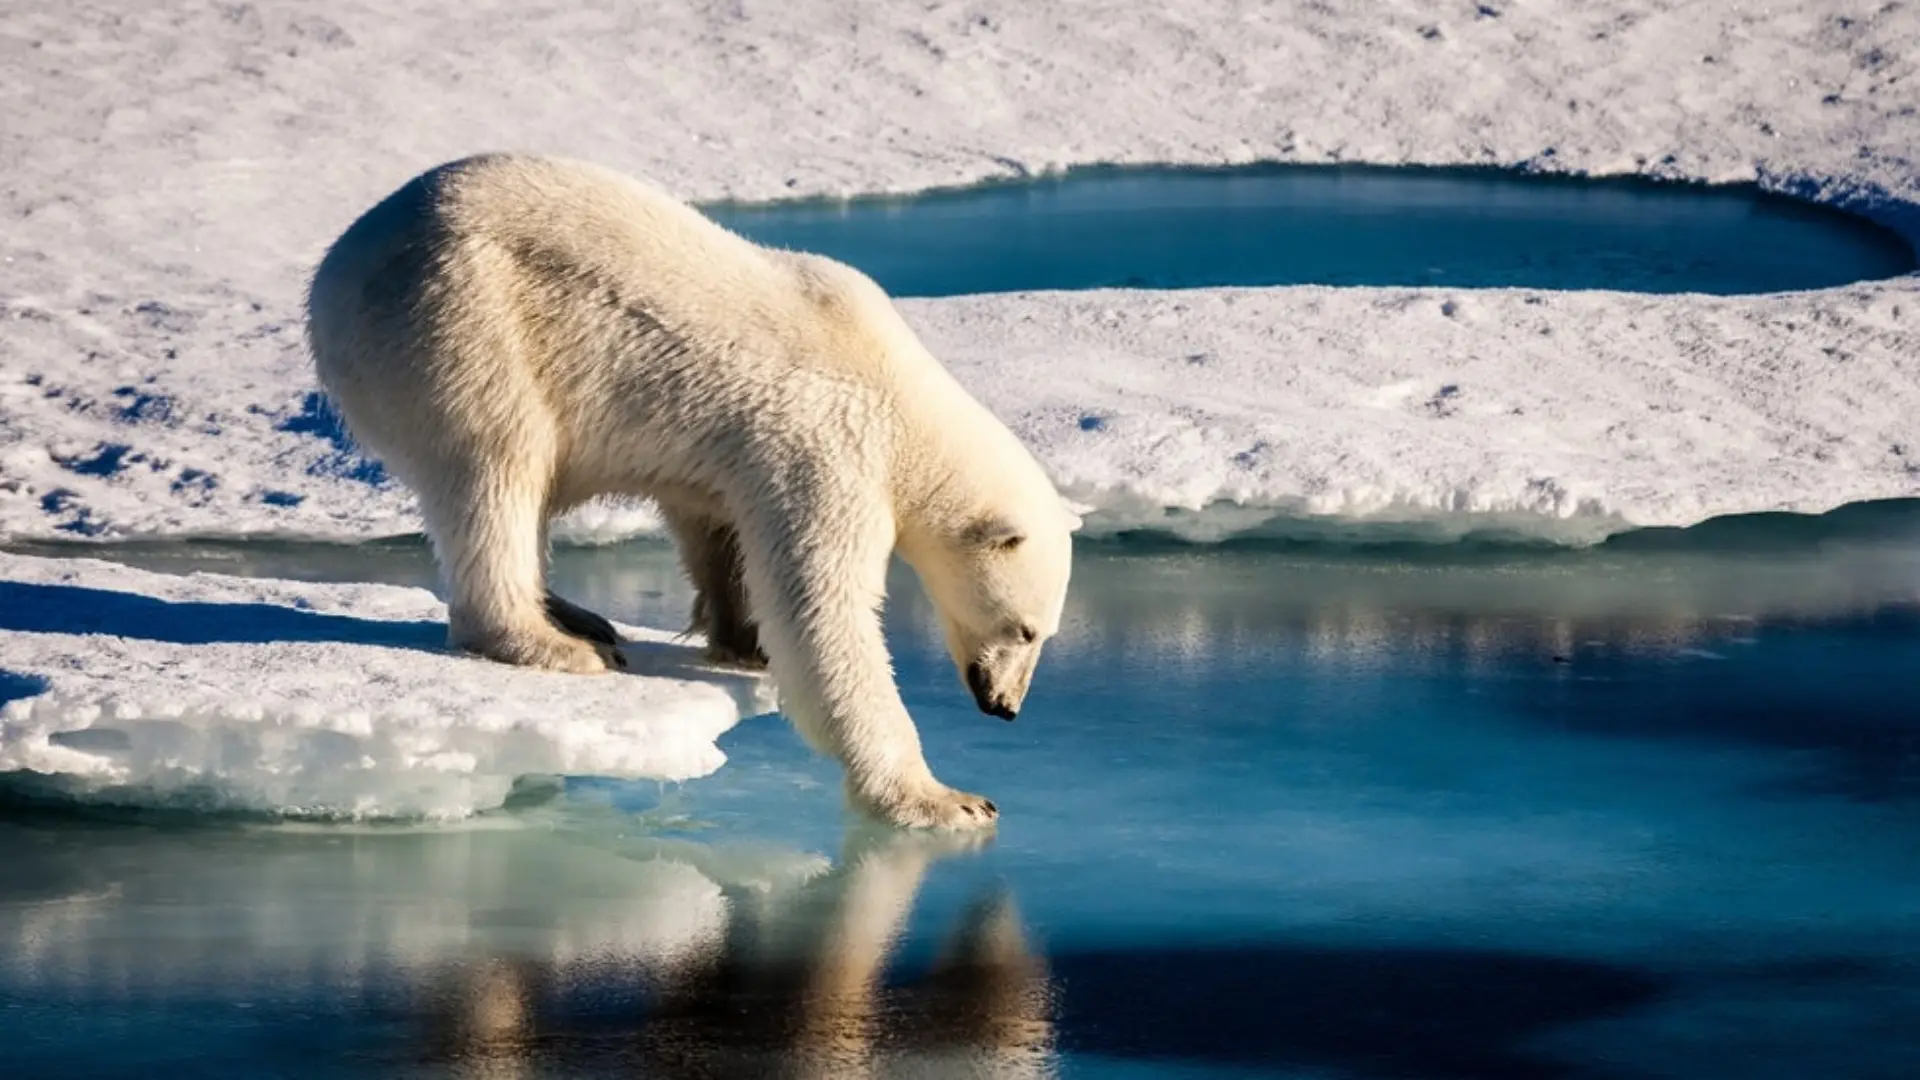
(487, 528)
(710, 552)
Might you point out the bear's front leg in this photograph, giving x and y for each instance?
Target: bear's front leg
(918, 802)
(853, 711)
(816, 587)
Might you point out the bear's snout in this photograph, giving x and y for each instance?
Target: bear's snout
(983, 695)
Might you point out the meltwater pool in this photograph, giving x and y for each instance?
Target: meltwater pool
(1164, 228)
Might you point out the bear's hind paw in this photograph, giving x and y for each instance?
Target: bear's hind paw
(725, 656)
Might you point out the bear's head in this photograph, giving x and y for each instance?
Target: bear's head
(1000, 583)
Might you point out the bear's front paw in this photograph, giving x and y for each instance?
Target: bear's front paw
(931, 806)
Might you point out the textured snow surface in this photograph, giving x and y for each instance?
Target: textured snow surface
(170, 173)
(329, 700)
(1558, 415)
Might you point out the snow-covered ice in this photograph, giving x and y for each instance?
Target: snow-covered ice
(1558, 415)
(172, 172)
(328, 700)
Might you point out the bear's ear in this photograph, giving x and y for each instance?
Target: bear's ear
(1074, 510)
(996, 533)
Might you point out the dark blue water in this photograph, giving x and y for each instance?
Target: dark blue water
(1313, 225)
(1314, 814)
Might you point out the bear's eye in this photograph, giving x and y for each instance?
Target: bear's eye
(993, 534)
(1028, 634)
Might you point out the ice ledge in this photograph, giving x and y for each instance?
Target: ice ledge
(134, 688)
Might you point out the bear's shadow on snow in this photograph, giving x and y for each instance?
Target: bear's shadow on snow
(76, 609)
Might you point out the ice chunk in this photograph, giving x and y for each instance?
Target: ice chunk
(125, 686)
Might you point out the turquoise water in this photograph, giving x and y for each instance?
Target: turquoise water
(1321, 225)
(1270, 812)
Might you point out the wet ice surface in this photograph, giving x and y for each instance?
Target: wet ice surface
(1608, 813)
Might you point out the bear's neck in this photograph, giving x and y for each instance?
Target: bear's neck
(965, 466)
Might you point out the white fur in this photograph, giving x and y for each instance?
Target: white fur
(516, 335)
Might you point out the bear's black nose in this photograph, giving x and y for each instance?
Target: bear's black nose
(983, 694)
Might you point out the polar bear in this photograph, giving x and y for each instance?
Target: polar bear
(514, 335)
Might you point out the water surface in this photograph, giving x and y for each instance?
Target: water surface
(1324, 225)
(1268, 813)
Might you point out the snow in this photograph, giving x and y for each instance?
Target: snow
(170, 173)
(1561, 416)
(209, 691)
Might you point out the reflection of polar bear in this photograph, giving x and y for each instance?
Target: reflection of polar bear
(795, 987)
(802, 991)
(515, 335)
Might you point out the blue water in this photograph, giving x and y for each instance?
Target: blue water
(1301, 813)
(1318, 225)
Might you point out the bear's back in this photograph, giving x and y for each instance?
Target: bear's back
(561, 222)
